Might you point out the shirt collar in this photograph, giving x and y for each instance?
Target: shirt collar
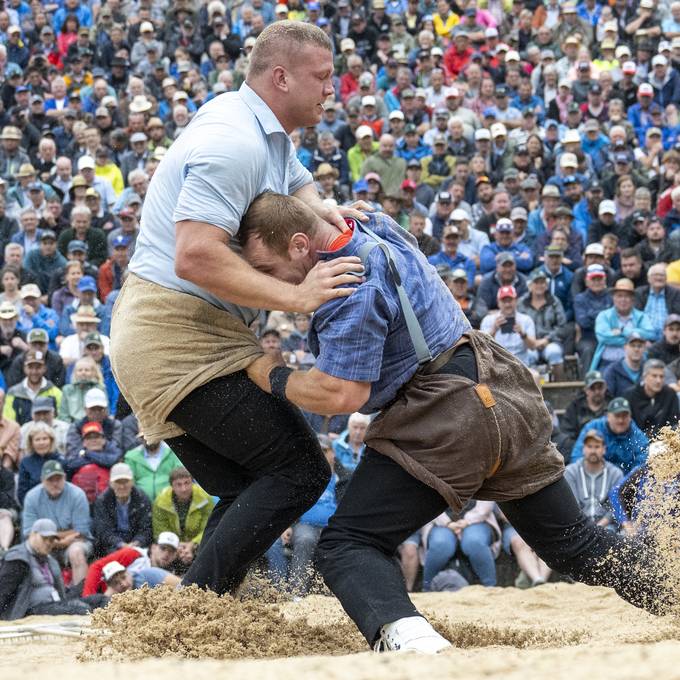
(265, 116)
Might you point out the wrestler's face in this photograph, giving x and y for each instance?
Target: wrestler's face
(291, 267)
(307, 83)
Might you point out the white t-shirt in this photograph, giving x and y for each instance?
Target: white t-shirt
(511, 341)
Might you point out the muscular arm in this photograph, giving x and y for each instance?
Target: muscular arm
(203, 256)
(314, 390)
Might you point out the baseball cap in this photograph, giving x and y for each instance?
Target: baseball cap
(569, 179)
(569, 160)
(671, 318)
(570, 137)
(42, 404)
(363, 131)
(659, 60)
(537, 274)
(553, 251)
(505, 257)
(458, 274)
(414, 163)
(482, 134)
(85, 162)
(593, 434)
(121, 471)
(410, 128)
(482, 179)
(93, 339)
(48, 235)
(30, 290)
(37, 335)
(595, 270)
(504, 225)
(87, 283)
(8, 310)
(593, 377)
(519, 213)
(645, 90)
(506, 292)
(618, 405)
(45, 527)
(120, 241)
(368, 100)
(498, 130)
(594, 249)
(550, 190)
(531, 182)
(91, 427)
(372, 176)
(396, 115)
(607, 207)
(111, 569)
(96, 397)
(629, 68)
(76, 246)
(591, 125)
(444, 197)
(51, 468)
(361, 185)
(511, 173)
(409, 184)
(458, 215)
(168, 538)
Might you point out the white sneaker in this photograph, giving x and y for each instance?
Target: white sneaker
(411, 634)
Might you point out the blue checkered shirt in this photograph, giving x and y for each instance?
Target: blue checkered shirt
(364, 337)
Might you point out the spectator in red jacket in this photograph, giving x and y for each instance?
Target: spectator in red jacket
(458, 56)
(112, 272)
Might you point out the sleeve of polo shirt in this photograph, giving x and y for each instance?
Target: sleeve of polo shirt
(352, 335)
(219, 185)
(299, 176)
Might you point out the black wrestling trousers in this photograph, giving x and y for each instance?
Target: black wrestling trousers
(259, 456)
(383, 505)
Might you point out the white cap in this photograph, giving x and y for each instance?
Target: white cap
(665, 45)
(512, 55)
(121, 471)
(111, 569)
(363, 131)
(96, 397)
(451, 92)
(659, 60)
(491, 33)
(481, 134)
(571, 136)
(347, 44)
(611, 26)
(168, 538)
(498, 130)
(396, 115)
(146, 26)
(368, 100)
(607, 207)
(459, 214)
(564, 82)
(622, 51)
(85, 162)
(595, 249)
(568, 160)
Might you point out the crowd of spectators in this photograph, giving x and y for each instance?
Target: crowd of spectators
(533, 150)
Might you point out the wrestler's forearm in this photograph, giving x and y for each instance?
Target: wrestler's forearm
(324, 394)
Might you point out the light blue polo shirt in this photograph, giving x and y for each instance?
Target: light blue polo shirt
(232, 151)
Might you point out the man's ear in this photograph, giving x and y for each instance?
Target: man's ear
(280, 78)
(299, 246)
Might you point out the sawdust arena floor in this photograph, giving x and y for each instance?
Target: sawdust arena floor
(548, 633)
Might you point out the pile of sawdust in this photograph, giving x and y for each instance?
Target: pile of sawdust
(193, 623)
(659, 517)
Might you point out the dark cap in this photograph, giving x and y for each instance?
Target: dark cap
(76, 245)
(93, 339)
(444, 271)
(414, 163)
(42, 404)
(48, 235)
(593, 378)
(618, 405)
(34, 357)
(505, 257)
(51, 468)
(444, 197)
(634, 336)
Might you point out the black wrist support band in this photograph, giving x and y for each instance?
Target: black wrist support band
(278, 379)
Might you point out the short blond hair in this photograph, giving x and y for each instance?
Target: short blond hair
(281, 41)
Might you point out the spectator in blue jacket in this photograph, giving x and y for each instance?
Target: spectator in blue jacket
(626, 443)
(639, 115)
(349, 447)
(503, 242)
(626, 371)
(613, 326)
(559, 278)
(41, 446)
(451, 257)
(587, 305)
(35, 314)
(666, 82)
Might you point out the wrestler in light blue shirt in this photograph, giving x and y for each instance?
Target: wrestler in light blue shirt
(232, 151)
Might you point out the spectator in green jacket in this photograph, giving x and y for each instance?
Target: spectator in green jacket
(151, 466)
(86, 375)
(182, 508)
